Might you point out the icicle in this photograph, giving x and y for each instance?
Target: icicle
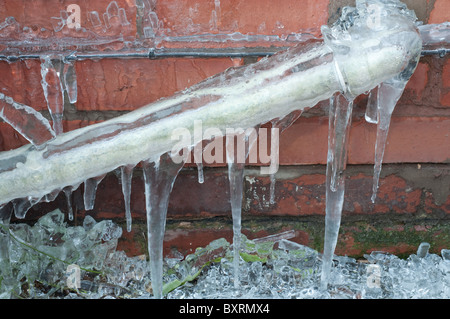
(338, 138)
(53, 91)
(126, 177)
(50, 197)
(281, 124)
(388, 95)
(274, 147)
(22, 205)
(68, 192)
(26, 121)
(159, 178)
(339, 125)
(372, 106)
(236, 167)
(70, 81)
(90, 189)
(201, 178)
(272, 189)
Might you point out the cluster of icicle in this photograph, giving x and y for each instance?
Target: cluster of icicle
(354, 58)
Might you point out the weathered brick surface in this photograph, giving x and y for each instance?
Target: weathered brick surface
(445, 93)
(22, 81)
(44, 19)
(247, 17)
(113, 84)
(441, 12)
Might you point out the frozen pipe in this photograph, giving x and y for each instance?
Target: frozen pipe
(177, 53)
(243, 97)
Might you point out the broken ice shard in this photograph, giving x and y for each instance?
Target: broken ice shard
(26, 120)
(372, 106)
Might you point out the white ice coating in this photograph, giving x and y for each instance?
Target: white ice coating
(357, 56)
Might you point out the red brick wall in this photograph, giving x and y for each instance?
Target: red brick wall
(414, 187)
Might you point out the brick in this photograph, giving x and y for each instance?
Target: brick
(112, 84)
(445, 99)
(410, 139)
(305, 142)
(299, 192)
(446, 74)
(45, 18)
(445, 92)
(247, 17)
(199, 213)
(10, 139)
(417, 83)
(440, 12)
(21, 80)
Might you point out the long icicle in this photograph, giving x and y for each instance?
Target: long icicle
(236, 167)
(159, 178)
(339, 125)
(388, 95)
(53, 90)
(126, 178)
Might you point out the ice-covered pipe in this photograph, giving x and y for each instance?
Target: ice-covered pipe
(237, 98)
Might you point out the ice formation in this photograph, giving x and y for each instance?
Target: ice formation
(375, 45)
(51, 260)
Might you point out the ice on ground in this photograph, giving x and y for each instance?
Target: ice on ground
(270, 267)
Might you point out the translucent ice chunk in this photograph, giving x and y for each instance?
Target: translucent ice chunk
(53, 90)
(26, 121)
(90, 189)
(372, 106)
(422, 250)
(70, 81)
(445, 253)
